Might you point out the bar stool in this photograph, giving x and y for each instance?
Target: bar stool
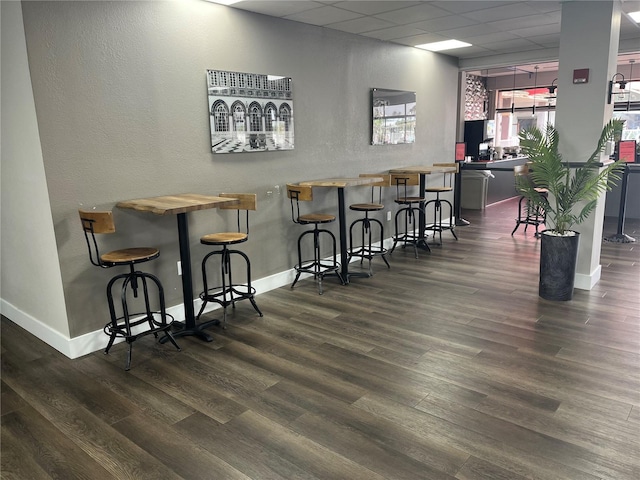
(438, 203)
(317, 266)
(367, 249)
(125, 324)
(226, 292)
(528, 213)
(409, 214)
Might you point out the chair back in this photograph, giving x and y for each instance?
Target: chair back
(244, 203)
(385, 182)
(447, 178)
(519, 170)
(95, 222)
(297, 194)
(404, 180)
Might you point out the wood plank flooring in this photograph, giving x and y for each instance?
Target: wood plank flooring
(448, 366)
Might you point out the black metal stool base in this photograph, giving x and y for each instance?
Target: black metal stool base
(122, 326)
(317, 267)
(228, 293)
(437, 226)
(408, 237)
(367, 250)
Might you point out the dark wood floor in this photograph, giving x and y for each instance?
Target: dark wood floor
(449, 366)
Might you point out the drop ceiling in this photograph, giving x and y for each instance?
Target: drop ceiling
(496, 29)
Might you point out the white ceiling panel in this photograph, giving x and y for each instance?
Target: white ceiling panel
(443, 23)
(279, 9)
(518, 24)
(373, 8)
(417, 13)
(525, 22)
(323, 16)
(394, 32)
(362, 24)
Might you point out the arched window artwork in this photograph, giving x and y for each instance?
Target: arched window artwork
(220, 113)
(239, 114)
(250, 112)
(269, 116)
(255, 114)
(285, 116)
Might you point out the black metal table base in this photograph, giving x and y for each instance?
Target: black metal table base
(620, 238)
(196, 331)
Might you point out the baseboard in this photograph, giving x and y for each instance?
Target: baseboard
(93, 341)
(587, 282)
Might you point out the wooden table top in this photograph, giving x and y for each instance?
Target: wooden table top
(425, 169)
(342, 182)
(174, 204)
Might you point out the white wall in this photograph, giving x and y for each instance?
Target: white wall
(31, 287)
(120, 95)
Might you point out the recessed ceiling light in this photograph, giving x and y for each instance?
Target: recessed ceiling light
(444, 45)
(635, 16)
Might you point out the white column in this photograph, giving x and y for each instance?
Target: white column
(589, 40)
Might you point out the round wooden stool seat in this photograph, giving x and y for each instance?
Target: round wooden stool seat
(224, 238)
(316, 218)
(366, 207)
(129, 255)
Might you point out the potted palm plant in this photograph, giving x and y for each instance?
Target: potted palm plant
(572, 196)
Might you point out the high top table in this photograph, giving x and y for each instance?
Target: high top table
(423, 170)
(341, 184)
(180, 205)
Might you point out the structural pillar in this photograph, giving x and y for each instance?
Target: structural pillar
(589, 39)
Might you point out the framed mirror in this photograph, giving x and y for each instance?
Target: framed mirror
(393, 116)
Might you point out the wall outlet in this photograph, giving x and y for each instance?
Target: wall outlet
(389, 216)
(179, 268)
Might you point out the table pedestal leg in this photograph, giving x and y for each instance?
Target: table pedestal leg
(190, 327)
(421, 243)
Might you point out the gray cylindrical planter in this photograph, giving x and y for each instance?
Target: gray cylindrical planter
(558, 257)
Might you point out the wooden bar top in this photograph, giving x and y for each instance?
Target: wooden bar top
(424, 169)
(175, 204)
(342, 182)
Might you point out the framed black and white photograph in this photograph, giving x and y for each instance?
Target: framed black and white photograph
(250, 112)
(393, 116)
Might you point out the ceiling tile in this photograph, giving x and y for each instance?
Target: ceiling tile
(277, 9)
(361, 25)
(410, 22)
(417, 13)
(503, 12)
(443, 23)
(394, 32)
(547, 41)
(541, 30)
(492, 37)
(525, 22)
(373, 8)
(420, 39)
(323, 16)
(466, 32)
(469, 6)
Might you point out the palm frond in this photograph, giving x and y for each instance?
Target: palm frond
(568, 187)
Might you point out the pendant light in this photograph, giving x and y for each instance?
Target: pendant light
(631, 62)
(513, 103)
(535, 87)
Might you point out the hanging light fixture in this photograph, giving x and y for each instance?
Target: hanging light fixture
(631, 62)
(552, 88)
(621, 83)
(513, 101)
(535, 87)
